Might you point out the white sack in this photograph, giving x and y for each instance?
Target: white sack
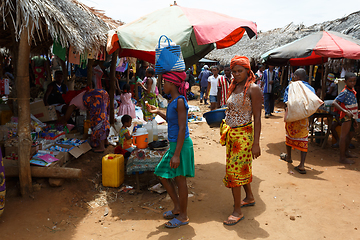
(302, 102)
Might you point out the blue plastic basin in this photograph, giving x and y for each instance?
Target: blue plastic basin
(215, 117)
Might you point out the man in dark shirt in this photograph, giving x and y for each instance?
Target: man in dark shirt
(55, 89)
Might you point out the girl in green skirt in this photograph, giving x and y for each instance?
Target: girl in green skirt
(178, 161)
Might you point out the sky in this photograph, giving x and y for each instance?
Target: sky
(267, 14)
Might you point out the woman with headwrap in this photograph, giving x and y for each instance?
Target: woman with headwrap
(240, 135)
(178, 161)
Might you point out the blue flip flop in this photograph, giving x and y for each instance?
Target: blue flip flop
(175, 223)
(248, 204)
(169, 215)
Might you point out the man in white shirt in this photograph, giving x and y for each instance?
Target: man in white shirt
(212, 87)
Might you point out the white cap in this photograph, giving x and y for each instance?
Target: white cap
(206, 66)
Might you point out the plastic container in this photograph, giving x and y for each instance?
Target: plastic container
(215, 117)
(149, 129)
(155, 130)
(140, 138)
(113, 173)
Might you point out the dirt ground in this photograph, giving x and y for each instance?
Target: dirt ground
(322, 204)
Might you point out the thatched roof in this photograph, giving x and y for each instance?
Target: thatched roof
(254, 48)
(69, 21)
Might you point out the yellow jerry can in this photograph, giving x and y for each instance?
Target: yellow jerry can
(113, 172)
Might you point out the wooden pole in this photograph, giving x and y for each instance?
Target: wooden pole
(128, 74)
(112, 85)
(159, 83)
(43, 172)
(282, 75)
(323, 82)
(311, 73)
(23, 93)
(90, 72)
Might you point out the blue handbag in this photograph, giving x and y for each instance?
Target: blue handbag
(168, 58)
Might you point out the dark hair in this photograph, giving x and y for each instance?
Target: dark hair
(349, 75)
(150, 70)
(227, 66)
(126, 118)
(301, 73)
(58, 72)
(215, 66)
(126, 88)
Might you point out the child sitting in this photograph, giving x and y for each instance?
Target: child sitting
(125, 139)
(127, 107)
(347, 104)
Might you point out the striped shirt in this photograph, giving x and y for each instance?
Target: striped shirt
(224, 83)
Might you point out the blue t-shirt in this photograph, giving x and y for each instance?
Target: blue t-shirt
(286, 93)
(203, 77)
(172, 119)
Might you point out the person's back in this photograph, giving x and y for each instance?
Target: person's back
(204, 75)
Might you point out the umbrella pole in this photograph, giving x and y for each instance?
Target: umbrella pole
(323, 87)
(311, 73)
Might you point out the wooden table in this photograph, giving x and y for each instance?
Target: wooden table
(322, 116)
(142, 160)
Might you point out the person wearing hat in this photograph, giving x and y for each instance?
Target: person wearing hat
(203, 77)
(331, 87)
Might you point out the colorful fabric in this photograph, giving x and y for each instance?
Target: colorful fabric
(126, 106)
(39, 76)
(224, 84)
(59, 50)
(151, 99)
(124, 143)
(187, 163)
(348, 100)
(297, 134)
(98, 104)
(177, 78)
(239, 109)
(2, 185)
(239, 141)
(142, 160)
(242, 61)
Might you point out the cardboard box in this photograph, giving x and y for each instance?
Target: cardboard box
(42, 112)
(76, 152)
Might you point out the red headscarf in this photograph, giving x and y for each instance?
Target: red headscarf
(242, 61)
(177, 78)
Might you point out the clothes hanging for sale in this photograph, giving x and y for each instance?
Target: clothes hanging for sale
(97, 75)
(74, 56)
(59, 50)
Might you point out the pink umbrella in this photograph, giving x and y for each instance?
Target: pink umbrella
(195, 30)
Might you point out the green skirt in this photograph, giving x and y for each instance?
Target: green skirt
(187, 164)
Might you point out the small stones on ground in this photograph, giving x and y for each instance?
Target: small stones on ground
(64, 210)
(292, 218)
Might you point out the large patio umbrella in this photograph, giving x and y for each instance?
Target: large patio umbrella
(314, 49)
(195, 30)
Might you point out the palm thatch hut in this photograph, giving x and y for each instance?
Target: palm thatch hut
(32, 26)
(254, 48)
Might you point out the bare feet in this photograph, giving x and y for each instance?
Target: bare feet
(346, 161)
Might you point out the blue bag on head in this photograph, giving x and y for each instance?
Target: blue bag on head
(168, 58)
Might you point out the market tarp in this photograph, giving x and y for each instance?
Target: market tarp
(196, 31)
(315, 49)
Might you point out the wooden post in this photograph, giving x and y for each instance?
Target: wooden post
(90, 72)
(112, 85)
(282, 75)
(64, 70)
(311, 73)
(159, 84)
(323, 82)
(23, 93)
(128, 74)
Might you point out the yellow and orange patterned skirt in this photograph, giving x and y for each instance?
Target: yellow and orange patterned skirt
(297, 134)
(239, 142)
